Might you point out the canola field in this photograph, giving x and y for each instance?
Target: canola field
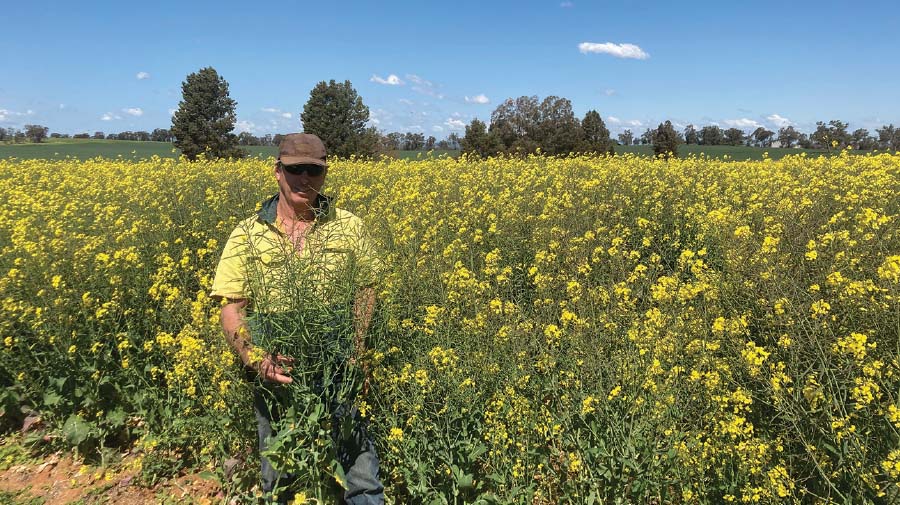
(548, 330)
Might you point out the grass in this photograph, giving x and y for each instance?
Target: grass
(82, 149)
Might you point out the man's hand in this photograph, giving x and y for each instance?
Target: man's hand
(274, 369)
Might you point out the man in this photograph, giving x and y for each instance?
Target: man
(280, 268)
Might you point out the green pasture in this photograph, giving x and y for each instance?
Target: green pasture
(132, 149)
(82, 149)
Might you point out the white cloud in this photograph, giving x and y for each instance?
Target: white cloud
(415, 79)
(6, 115)
(375, 121)
(172, 112)
(405, 101)
(779, 120)
(613, 120)
(742, 123)
(392, 80)
(478, 99)
(424, 86)
(437, 128)
(142, 75)
(62, 106)
(455, 124)
(109, 116)
(134, 111)
(274, 110)
(635, 122)
(609, 92)
(617, 50)
(566, 5)
(245, 126)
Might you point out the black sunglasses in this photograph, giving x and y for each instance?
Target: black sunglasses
(312, 170)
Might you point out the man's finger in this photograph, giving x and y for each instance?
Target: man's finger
(281, 359)
(277, 374)
(282, 379)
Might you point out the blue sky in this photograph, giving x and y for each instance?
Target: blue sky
(113, 66)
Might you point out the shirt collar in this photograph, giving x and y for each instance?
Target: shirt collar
(324, 209)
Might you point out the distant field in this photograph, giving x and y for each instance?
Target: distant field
(88, 148)
(128, 149)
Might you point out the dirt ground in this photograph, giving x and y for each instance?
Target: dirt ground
(61, 479)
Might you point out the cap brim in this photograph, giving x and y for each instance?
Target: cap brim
(301, 160)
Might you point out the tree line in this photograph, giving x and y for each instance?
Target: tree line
(527, 125)
(831, 135)
(205, 119)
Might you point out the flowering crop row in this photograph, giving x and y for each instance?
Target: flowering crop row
(550, 329)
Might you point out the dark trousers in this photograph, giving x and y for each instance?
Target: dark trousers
(356, 453)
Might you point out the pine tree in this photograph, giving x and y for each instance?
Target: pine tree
(596, 134)
(479, 141)
(665, 141)
(205, 117)
(337, 115)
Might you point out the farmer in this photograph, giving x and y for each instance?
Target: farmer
(300, 226)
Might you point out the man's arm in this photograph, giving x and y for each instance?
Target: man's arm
(238, 336)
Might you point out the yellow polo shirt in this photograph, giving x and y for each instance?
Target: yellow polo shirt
(260, 264)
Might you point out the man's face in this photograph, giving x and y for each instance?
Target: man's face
(298, 184)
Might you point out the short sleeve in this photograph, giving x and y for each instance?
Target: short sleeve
(231, 274)
(370, 263)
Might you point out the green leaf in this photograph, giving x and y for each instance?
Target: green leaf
(207, 475)
(76, 430)
(464, 480)
(51, 398)
(116, 418)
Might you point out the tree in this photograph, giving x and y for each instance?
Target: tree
(247, 139)
(831, 136)
(205, 117)
(515, 124)
(665, 141)
(626, 138)
(559, 131)
(889, 137)
(161, 135)
(478, 141)
(36, 133)
(429, 143)
(860, 139)
(734, 136)
(788, 136)
(393, 141)
(762, 137)
(596, 135)
(711, 136)
(336, 114)
(690, 135)
(648, 137)
(453, 140)
(414, 141)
